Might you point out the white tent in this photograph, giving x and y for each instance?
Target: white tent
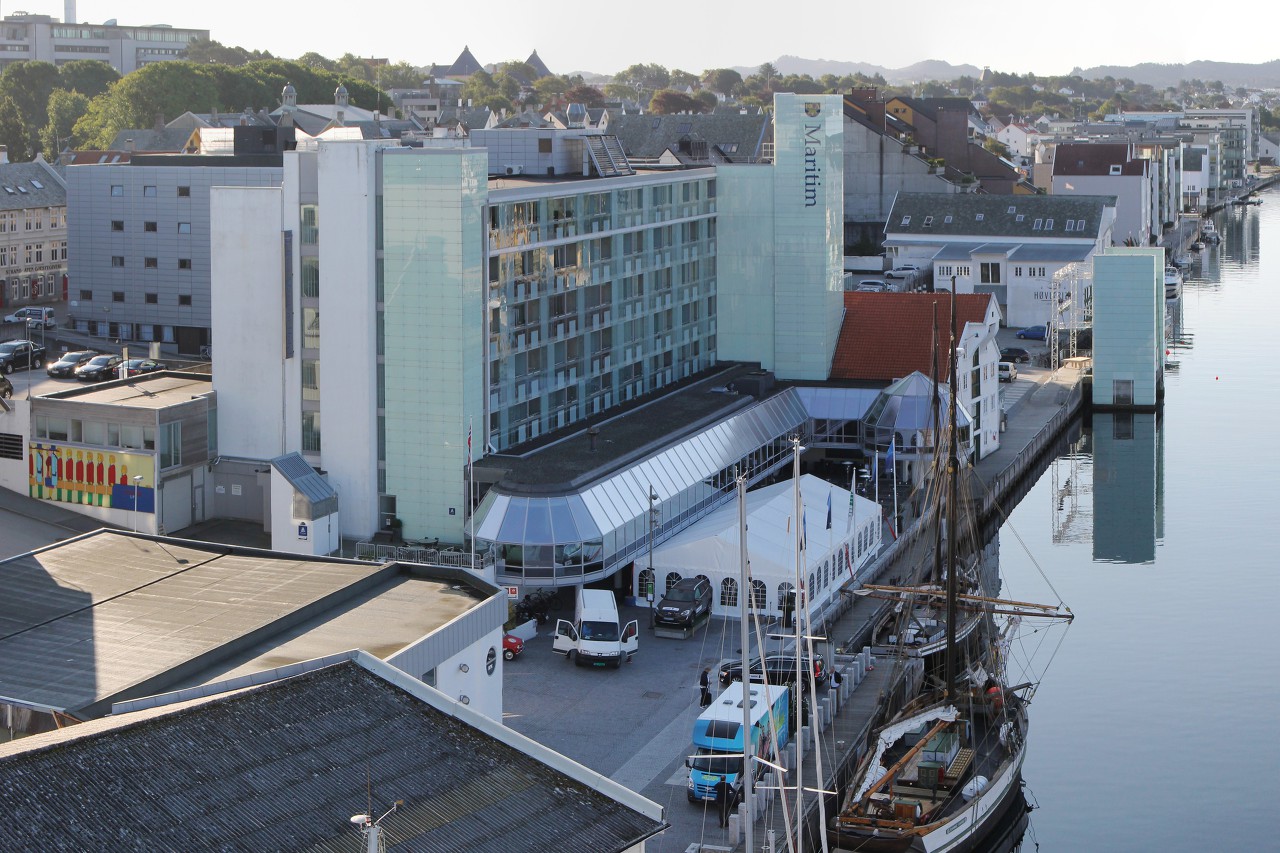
(710, 547)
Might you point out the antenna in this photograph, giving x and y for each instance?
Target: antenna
(370, 828)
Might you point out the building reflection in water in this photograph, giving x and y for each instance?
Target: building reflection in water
(1128, 486)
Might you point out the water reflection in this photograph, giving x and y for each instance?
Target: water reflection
(1127, 481)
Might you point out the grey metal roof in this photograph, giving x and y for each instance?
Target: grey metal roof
(836, 404)
(739, 137)
(1050, 254)
(284, 765)
(1001, 216)
(314, 497)
(107, 615)
(169, 139)
(34, 184)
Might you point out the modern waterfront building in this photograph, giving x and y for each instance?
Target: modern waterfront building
(33, 235)
(139, 238)
(1128, 328)
(41, 38)
(489, 295)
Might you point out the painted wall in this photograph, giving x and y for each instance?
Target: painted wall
(1128, 323)
(808, 211)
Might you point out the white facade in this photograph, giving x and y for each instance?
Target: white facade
(1133, 194)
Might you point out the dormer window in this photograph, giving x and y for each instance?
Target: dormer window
(906, 220)
(928, 221)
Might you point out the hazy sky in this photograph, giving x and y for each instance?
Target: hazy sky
(1023, 37)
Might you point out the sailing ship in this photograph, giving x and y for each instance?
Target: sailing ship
(943, 773)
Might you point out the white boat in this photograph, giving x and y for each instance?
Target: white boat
(1172, 282)
(1208, 233)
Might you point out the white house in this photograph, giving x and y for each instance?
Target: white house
(1110, 168)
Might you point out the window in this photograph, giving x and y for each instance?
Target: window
(86, 296)
(906, 220)
(117, 225)
(544, 146)
(148, 192)
(1037, 225)
(151, 263)
(946, 220)
(151, 298)
(1012, 209)
(1071, 225)
(150, 227)
(310, 225)
(311, 432)
(117, 296)
(117, 261)
(184, 263)
(170, 445)
(979, 217)
(184, 192)
(928, 221)
(311, 276)
(728, 593)
(673, 578)
(310, 379)
(117, 189)
(1079, 224)
(1048, 225)
(184, 299)
(644, 586)
(1019, 217)
(1121, 392)
(989, 272)
(1017, 272)
(1116, 169)
(184, 227)
(759, 595)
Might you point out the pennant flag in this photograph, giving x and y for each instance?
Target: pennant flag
(828, 509)
(888, 459)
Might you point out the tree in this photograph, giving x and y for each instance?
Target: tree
(205, 51)
(682, 79)
(156, 91)
(399, 75)
(722, 80)
(13, 132)
(589, 95)
(708, 100)
(638, 82)
(313, 60)
(768, 72)
(89, 77)
(65, 109)
(669, 101)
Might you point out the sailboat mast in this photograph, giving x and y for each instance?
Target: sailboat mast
(935, 434)
(802, 606)
(748, 770)
(953, 469)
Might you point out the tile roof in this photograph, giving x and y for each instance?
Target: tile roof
(284, 765)
(999, 215)
(33, 184)
(1096, 158)
(886, 336)
(464, 66)
(739, 137)
(170, 140)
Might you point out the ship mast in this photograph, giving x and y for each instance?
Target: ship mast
(953, 468)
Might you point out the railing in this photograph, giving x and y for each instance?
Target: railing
(376, 552)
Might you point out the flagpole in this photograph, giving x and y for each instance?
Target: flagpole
(471, 493)
(894, 471)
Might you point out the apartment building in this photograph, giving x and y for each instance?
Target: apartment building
(33, 235)
(40, 38)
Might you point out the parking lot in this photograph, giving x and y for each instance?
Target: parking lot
(633, 724)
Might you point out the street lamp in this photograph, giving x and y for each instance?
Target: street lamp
(137, 478)
(653, 521)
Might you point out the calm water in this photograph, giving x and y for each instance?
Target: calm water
(1154, 728)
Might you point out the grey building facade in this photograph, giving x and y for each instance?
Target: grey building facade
(29, 38)
(138, 234)
(33, 235)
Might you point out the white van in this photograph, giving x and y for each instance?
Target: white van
(594, 636)
(34, 316)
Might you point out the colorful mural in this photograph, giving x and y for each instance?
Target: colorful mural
(79, 475)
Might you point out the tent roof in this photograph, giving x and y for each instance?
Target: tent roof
(711, 545)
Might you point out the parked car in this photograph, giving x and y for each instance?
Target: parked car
(6, 387)
(34, 316)
(1033, 333)
(66, 366)
(780, 668)
(872, 285)
(100, 368)
(135, 366)
(1012, 354)
(903, 271)
(24, 354)
(511, 646)
(1008, 372)
(685, 603)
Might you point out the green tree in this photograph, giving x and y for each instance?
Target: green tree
(669, 101)
(28, 84)
(89, 77)
(768, 72)
(13, 132)
(589, 95)
(160, 90)
(399, 75)
(682, 79)
(205, 51)
(65, 109)
(313, 60)
(722, 80)
(638, 82)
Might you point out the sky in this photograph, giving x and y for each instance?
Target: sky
(1044, 39)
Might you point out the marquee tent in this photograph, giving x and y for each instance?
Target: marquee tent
(710, 547)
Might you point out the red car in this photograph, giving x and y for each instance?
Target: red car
(511, 646)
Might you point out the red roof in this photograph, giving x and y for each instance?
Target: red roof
(886, 336)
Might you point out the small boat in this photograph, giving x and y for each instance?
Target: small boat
(1181, 261)
(1197, 246)
(1172, 282)
(1208, 233)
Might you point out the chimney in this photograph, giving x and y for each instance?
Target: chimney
(128, 143)
(592, 432)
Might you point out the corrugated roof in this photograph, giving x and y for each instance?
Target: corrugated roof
(85, 621)
(318, 498)
(284, 766)
(1003, 217)
(171, 140)
(886, 336)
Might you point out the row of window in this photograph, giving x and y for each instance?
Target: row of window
(151, 227)
(149, 191)
(124, 436)
(989, 271)
(32, 253)
(34, 219)
(148, 298)
(117, 261)
(24, 287)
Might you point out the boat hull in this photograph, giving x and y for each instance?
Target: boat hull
(964, 832)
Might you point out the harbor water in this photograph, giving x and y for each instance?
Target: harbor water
(1153, 727)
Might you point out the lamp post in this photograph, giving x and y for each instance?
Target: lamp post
(137, 478)
(653, 522)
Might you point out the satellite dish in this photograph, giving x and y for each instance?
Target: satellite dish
(360, 819)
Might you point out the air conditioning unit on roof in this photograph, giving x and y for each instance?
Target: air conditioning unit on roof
(515, 170)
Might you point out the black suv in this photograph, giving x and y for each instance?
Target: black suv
(1015, 354)
(781, 669)
(685, 603)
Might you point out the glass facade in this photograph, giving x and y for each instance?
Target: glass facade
(597, 296)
